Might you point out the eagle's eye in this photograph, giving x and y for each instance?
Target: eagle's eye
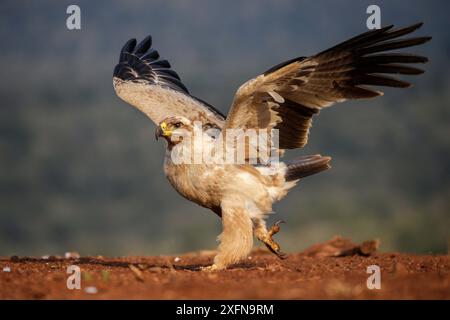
(178, 124)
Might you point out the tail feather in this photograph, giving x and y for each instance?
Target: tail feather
(306, 166)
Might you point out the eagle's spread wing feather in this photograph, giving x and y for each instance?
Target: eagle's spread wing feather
(286, 96)
(147, 82)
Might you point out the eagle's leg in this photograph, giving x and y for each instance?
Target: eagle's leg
(236, 240)
(266, 236)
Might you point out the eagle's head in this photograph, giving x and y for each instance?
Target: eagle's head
(174, 129)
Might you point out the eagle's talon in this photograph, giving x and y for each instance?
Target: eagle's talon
(275, 228)
(282, 255)
(275, 249)
(271, 244)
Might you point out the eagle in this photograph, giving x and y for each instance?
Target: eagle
(280, 102)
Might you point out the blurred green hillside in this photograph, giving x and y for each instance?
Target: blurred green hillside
(80, 169)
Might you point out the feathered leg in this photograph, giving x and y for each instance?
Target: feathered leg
(236, 240)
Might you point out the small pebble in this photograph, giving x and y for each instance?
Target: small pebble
(91, 290)
(45, 257)
(177, 259)
(6, 269)
(74, 255)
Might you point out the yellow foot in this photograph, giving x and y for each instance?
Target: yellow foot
(271, 244)
(210, 268)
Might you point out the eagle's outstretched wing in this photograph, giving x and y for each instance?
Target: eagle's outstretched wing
(147, 82)
(287, 96)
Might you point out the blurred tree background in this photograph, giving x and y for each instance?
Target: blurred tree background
(80, 169)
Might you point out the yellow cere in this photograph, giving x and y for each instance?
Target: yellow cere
(164, 127)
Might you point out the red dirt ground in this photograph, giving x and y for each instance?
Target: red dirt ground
(313, 274)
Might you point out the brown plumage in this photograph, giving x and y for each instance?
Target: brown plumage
(288, 95)
(281, 102)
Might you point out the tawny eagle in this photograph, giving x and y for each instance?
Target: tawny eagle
(284, 99)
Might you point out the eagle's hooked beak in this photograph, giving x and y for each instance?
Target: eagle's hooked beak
(161, 131)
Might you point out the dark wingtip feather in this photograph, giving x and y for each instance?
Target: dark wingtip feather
(359, 39)
(406, 30)
(392, 45)
(151, 55)
(161, 64)
(391, 68)
(127, 48)
(391, 58)
(380, 80)
(415, 26)
(129, 45)
(144, 45)
(138, 63)
(429, 38)
(376, 40)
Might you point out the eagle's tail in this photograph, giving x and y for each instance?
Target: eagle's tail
(306, 166)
